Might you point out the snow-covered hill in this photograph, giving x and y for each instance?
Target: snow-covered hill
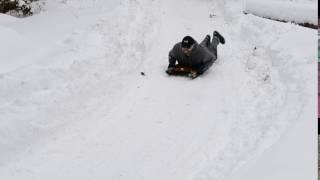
(74, 105)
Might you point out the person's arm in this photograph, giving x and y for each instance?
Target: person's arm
(172, 61)
(173, 55)
(172, 64)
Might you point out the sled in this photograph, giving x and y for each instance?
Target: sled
(184, 71)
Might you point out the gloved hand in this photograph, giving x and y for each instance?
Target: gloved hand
(170, 70)
(193, 74)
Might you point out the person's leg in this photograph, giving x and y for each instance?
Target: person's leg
(214, 46)
(217, 38)
(206, 41)
(204, 67)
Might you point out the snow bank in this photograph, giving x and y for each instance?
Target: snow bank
(280, 53)
(287, 11)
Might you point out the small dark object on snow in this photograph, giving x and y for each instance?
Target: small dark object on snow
(266, 78)
(212, 15)
(142, 73)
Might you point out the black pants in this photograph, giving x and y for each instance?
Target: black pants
(212, 47)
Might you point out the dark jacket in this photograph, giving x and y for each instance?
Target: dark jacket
(200, 59)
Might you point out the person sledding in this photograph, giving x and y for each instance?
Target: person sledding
(192, 59)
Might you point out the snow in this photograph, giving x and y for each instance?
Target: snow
(299, 12)
(277, 161)
(74, 105)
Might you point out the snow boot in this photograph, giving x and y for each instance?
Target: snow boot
(219, 36)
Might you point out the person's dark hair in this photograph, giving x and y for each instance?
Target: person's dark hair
(187, 42)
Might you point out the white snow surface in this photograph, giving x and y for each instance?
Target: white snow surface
(74, 105)
(299, 12)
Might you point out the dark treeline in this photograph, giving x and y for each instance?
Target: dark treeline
(18, 7)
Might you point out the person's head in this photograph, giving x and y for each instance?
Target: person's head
(187, 45)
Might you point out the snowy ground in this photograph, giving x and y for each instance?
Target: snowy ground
(74, 105)
(299, 12)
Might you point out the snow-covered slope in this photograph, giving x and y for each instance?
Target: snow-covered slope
(74, 105)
